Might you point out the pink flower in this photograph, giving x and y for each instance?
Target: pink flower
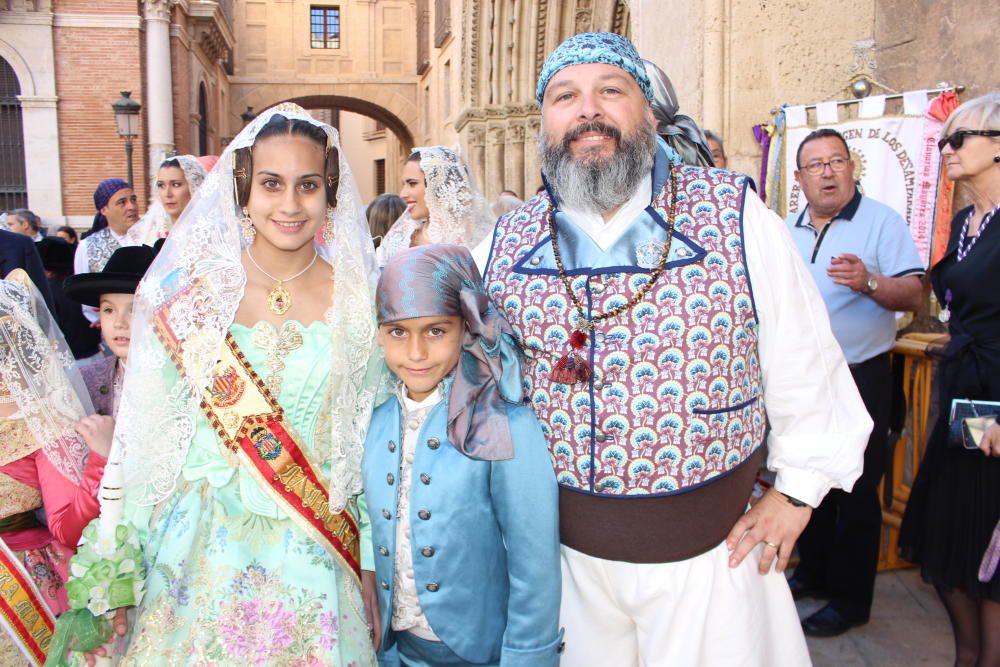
(256, 630)
(329, 627)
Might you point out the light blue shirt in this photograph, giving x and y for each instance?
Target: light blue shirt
(880, 237)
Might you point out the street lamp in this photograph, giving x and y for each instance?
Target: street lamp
(247, 116)
(127, 119)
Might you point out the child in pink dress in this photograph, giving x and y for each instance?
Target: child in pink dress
(50, 458)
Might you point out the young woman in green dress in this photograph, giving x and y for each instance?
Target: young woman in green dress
(251, 379)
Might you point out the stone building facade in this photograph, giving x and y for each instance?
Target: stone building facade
(420, 72)
(369, 71)
(731, 63)
(477, 86)
(70, 59)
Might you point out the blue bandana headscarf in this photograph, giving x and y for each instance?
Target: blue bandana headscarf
(107, 188)
(102, 195)
(594, 47)
(443, 280)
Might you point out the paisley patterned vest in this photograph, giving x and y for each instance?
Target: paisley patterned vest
(675, 398)
(100, 246)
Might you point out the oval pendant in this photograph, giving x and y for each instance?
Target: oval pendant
(279, 300)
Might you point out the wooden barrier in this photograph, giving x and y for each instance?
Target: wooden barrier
(918, 371)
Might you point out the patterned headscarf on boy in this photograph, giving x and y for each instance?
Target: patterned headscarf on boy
(443, 280)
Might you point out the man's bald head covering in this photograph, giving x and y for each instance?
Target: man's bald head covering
(594, 47)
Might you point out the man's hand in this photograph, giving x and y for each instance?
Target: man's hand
(990, 443)
(848, 270)
(369, 594)
(774, 521)
(120, 625)
(96, 431)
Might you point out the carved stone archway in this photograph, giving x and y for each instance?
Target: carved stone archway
(393, 105)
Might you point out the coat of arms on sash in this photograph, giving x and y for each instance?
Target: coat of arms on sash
(266, 443)
(226, 388)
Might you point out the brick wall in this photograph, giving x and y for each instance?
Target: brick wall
(92, 65)
(180, 67)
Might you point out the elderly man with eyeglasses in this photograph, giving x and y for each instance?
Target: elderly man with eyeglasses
(864, 261)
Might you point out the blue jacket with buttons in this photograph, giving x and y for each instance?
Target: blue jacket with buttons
(484, 537)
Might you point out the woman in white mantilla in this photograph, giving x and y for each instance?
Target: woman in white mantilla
(242, 476)
(177, 181)
(46, 466)
(443, 204)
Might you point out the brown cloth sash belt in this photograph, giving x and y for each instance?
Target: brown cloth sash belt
(661, 529)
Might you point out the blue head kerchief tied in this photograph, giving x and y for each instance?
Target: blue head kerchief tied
(431, 280)
(106, 188)
(594, 47)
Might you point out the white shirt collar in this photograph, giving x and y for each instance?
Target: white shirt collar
(604, 234)
(410, 405)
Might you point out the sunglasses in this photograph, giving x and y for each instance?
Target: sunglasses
(956, 139)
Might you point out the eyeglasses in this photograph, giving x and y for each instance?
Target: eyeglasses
(956, 139)
(836, 164)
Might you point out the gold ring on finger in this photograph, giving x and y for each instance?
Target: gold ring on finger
(771, 544)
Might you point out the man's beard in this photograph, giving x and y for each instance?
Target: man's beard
(593, 183)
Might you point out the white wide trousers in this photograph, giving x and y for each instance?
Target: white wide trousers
(696, 612)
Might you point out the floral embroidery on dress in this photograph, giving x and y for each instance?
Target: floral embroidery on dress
(276, 344)
(41, 566)
(231, 580)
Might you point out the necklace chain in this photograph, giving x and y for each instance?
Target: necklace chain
(964, 250)
(282, 280)
(279, 299)
(588, 322)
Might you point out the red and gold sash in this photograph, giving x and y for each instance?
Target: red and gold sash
(251, 423)
(23, 613)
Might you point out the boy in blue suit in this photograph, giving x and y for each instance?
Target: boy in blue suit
(458, 482)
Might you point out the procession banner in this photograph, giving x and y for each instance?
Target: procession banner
(896, 162)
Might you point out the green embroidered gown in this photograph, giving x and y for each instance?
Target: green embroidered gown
(231, 580)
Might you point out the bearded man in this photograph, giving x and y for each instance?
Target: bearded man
(661, 308)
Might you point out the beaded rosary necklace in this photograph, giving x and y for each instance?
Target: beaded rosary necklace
(572, 367)
(965, 246)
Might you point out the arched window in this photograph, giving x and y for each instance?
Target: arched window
(13, 184)
(202, 120)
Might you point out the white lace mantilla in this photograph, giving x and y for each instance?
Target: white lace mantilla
(38, 373)
(200, 273)
(157, 223)
(459, 214)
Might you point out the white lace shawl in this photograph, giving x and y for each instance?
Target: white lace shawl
(37, 372)
(201, 261)
(156, 223)
(458, 213)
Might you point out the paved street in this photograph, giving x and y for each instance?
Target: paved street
(908, 627)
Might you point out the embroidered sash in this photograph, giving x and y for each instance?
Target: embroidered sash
(23, 613)
(251, 423)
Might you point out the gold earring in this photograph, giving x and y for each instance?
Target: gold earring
(247, 230)
(328, 226)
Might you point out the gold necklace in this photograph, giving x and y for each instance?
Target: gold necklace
(572, 367)
(279, 299)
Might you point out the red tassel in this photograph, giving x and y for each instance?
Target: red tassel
(577, 340)
(571, 369)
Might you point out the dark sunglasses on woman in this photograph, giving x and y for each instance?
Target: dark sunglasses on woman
(956, 139)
